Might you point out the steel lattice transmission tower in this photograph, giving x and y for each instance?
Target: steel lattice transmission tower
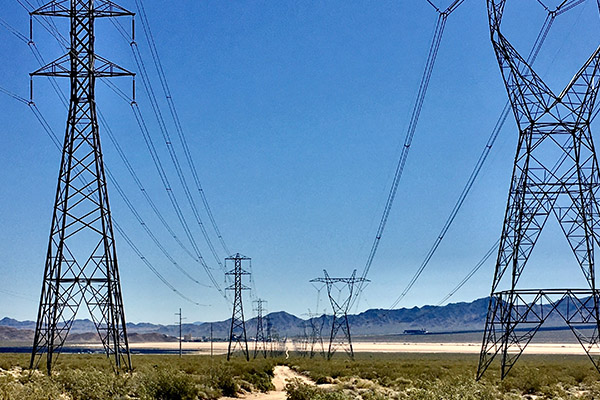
(316, 334)
(555, 172)
(237, 333)
(340, 311)
(272, 336)
(260, 344)
(81, 263)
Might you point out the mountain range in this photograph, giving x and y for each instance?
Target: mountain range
(455, 317)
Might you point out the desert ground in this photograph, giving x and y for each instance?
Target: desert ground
(372, 347)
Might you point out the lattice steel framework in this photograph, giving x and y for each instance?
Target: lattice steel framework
(260, 341)
(237, 332)
(272, 337)
(81, 262)
(555, 172)
(340, 311)
(316, 334)
(301, 343)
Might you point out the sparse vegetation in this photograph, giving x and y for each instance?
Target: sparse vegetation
(90, 377)
(370, 377)
(448, 376)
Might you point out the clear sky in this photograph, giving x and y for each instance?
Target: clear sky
(295, 112)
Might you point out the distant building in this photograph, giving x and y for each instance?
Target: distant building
(415, 332)
(188, 337)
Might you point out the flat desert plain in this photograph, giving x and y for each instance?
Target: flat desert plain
(372, 347)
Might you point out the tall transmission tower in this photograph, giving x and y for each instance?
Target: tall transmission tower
(237, 333)
(555, 172)
(81, 262)
(260, 344)
(340, 311)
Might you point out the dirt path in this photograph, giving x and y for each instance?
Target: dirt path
(282, 375)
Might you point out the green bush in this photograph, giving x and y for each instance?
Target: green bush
(297, 390)
(170, 384)
(92, 384)
(31, 387)
(261, 380)
(370, 377)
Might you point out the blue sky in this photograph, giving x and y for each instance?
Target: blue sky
(295, 113)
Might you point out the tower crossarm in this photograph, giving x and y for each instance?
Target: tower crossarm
(101, 8)
(102, 68)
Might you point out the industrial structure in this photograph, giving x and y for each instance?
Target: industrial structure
(340, 311)
(237, 332)
(81, 261)
(555, 172)
(316, 334)
(260, 340)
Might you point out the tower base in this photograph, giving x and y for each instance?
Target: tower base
(515, 316)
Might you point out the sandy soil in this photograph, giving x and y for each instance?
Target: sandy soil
(282, 375)
(378, 347)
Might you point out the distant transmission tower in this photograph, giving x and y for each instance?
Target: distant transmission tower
(237, 333)
(81, 262)
(271, 335)
(316, 334)
(555, 172)
(304, 341)
(340, 311)
(260, 344)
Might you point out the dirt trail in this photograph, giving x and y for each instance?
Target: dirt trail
(282, 375)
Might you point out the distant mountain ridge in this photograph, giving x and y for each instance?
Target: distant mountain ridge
(455, 317)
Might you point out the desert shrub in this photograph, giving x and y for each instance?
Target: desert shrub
(223, 379)
(9, 361)
(297, 390)
(260, 380)
(375, 395)
(370, 377)
(91, 384)
(321, 380)
(169, 384)
(29, 386)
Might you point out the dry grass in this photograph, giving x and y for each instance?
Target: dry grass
(370, 377)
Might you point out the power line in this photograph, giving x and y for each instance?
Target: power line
(143, 128)
(122, 155)
(416, 113)
(47, 128)
(142, 189)
(173, 155)
(167, 92)
(540, 39)
(171, 150)
(486, 256)
(165, 181)
(150, 266)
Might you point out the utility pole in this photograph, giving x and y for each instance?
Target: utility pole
(555, 172)
(211, 340)
(180, 334)
(237, 332)
(340, 311)
(81, 261)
